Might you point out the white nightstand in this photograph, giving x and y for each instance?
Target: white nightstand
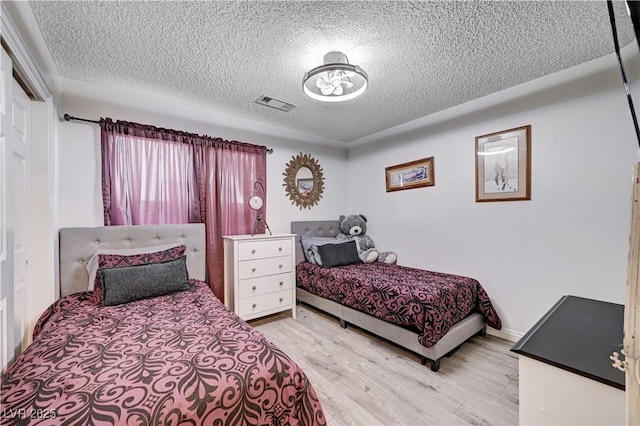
(259, 274)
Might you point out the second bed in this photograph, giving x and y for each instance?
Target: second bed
(429, 313)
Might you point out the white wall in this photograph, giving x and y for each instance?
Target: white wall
(570, 238)
(79, 167)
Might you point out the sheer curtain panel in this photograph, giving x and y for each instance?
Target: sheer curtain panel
(158, 176)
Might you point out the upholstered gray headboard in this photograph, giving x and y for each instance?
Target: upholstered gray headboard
(77, 245)
(313, 228)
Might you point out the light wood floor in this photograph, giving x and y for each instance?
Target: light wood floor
(364, 380)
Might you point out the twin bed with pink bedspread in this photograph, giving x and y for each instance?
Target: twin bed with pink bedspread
(428, 302)
(178, 358)
(429, 313)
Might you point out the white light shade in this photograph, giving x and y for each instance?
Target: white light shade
(336, 80)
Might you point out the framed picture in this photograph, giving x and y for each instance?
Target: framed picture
(503, 165)
(414, 174)
(304, 186)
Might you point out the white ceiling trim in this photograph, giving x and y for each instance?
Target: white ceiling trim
(23, 61)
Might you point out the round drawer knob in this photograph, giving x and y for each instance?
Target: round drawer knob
(254, 288)
(280, 266)
(254, 306)
(281, 283)
(279, 248)
(253, 269)
(253, 251)
(281, 299)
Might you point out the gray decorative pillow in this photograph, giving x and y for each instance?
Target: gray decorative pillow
(338, 254)
(309, 244)
(130, 283)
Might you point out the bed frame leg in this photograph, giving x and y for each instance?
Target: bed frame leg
(483, 332)
(343, 323)
(435, 365)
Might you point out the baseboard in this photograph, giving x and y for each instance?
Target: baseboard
(506, 334)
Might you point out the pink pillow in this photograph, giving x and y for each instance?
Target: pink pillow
(118, 261)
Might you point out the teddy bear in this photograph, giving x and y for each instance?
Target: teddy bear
(354, 227)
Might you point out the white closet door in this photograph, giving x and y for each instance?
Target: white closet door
(14, 168)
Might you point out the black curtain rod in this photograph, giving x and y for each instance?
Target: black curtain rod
(68, 117)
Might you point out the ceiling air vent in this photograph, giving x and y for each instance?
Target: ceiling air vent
(275, 103)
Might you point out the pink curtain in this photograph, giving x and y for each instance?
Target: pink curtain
(160, 176)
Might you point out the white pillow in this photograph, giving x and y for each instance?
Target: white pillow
(92, 264)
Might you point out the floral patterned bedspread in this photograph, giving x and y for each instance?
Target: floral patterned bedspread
(179, 359)
(430, 302)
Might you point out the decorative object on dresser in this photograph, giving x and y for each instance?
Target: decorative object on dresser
(303, 181)
(256, 202)
(414, 174)
(503, 165)
(259, 274)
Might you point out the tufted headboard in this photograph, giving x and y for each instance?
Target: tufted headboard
(313, 228)
(77, 245)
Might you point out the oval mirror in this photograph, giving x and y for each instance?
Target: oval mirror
(303, 181)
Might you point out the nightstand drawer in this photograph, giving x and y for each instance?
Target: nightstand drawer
(262, 267)
(263, 249)
(265, 302)
(262, 285)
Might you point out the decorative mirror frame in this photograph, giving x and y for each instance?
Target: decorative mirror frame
(297, 162)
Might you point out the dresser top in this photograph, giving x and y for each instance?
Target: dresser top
(578, 335)
(249, 237)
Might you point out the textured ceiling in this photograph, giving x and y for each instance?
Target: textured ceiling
(421, 57)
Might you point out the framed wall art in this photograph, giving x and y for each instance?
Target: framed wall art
(414, 174)
(503, 165)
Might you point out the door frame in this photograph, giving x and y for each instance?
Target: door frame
(16, 18)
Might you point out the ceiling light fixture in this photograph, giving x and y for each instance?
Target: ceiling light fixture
(336, 80)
